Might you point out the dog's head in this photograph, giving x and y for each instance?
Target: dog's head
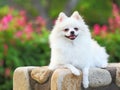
(69, 27)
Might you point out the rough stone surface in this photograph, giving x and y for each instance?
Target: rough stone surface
(117, 66)
(41, 74)
(114, 65)
(63, 79)
(118, 76)
(21, 78)
(99, 77)
(35, 85)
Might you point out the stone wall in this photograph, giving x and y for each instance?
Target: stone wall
(40, 78)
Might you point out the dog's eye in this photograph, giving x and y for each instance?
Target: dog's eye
(66, 29)
(76, 29)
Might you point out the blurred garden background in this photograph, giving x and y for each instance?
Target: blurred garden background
(25, 26)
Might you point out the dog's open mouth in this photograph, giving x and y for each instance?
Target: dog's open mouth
(72, 37)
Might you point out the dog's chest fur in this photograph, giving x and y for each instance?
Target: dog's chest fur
(73, 53)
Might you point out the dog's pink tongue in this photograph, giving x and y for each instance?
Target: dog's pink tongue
(72, 37)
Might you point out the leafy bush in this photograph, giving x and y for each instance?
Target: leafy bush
(94, 12)
(22, 42)
(109, 35)
(112, 43)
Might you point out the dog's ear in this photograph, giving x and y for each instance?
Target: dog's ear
(76, 15)
(61, 17)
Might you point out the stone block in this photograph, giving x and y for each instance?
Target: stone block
(40, 78)
(99, 77)
(63, 79)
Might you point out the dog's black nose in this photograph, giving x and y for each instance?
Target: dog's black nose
(72, 32)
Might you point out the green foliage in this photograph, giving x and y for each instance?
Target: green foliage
(56, 7)
(34, 52)
(52, 7)
(22, 43)
(27, 4)
(95, 11)
(109, 35)
(90, 9)
(112, 44)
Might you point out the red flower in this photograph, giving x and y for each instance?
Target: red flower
(9, 17)
(5, 21)
(5, 48)
(18, 34)
(22, 13)
(7, 72)
(104, 28)
(96, 29)
(40, 21)
(115, 10)
(28, 31)
(1, 62)
(21, 21)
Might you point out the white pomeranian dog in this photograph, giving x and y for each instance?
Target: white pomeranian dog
(72, 47)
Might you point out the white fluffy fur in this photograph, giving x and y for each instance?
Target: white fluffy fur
(82, 52)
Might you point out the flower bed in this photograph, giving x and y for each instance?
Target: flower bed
(22, 42)
(109, 35)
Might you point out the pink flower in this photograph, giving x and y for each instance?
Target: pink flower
(21, 21)
(9, 17)
(5, 48)
(115, 10)
(117, 20)
(96, 29)
(22, 12)
(28, 28)
(104, 28)
(5, 21)
(18, 34)
(110, 21)
(4, 26)
(39, 18)
(7, 72)
(1, 62)
(28, 31)
(41, 21)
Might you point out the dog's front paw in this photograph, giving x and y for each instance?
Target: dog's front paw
(76, 72)
(86, 84)
(104, 65)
